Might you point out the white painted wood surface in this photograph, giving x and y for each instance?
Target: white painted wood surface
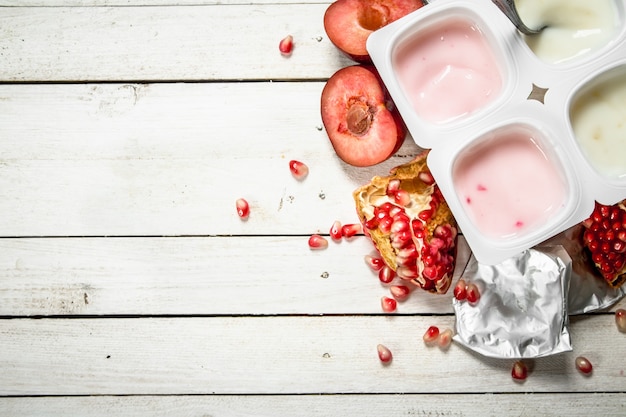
(129, 287)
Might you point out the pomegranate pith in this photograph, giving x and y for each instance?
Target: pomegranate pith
(416, 237)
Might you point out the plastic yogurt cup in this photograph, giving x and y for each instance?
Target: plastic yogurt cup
(521, 144)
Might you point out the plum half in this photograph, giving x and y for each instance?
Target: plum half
(360, 119)
(348, 23)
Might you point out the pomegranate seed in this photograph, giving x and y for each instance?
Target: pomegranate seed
(583, 365)
(426, 177)
(445, 339)
(400, 292)
(318, 242)
(620, 319)
(243, 208)
(384, 354)
(431, 335)
(386, 274)
(460, 290)
(349, 230)
(335, 230)
(389, 305)
(519, 371)
(402, 198)
(286, 45)
(298, 169)
(374, 262)
(473, 294)
(393, 187)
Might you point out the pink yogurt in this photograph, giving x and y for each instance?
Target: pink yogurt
(448, 71)
(507, 185)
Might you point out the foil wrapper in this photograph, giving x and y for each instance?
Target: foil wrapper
(587, 290)
(523, 307)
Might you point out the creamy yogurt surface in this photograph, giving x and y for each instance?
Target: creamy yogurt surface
(598, 119)
(448, 71)
(575, 27)
(507, 184)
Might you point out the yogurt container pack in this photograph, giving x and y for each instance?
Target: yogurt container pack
(525, 133)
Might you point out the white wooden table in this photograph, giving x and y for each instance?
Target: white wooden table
(128, 285)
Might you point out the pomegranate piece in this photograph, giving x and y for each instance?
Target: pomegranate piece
(400, 292)
(620, 319)
(335, 230)
(386, 275)
(349, 230)
(418, 240)
(318, 242)
(473, 293)
(362, 125)
(519, 372)
(384, 354)
(445, 339)
(605, 239)
(243, 208)
(298, 169)
(285, 46)
(374, 262)
(431, 335)
(389, 305)
(583, 365)
(348, 23)
(460, 290)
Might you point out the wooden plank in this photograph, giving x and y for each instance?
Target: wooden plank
(467, 405)
(280, 355)
(170, 159)
(213, 42)
(196, 276)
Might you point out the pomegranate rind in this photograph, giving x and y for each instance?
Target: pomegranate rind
(410, 175)
(353, 87)
(603, 221)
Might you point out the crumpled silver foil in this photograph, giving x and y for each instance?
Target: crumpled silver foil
(523, 309)
(587, 290)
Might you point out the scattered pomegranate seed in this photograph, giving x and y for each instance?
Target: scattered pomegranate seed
(298, 169)
(243, 208)
(583, 365)
(400, 292)
(386, 274)
(318, 242)
(519, 371)
(389, 305)
(384, 354)
(335, 230)
(473, 294)
(286, 45)
(460, 290)
(349, 230)
(376, 263)
(445, 339)
(620, 319)
(431, 335)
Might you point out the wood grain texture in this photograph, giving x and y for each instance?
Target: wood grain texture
(212, 42)
(170, 159)
(390, 405)
(281, 355)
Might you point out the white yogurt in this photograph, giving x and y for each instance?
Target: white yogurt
(575, 27)
(598, 118)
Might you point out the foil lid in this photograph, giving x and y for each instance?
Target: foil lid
(522, 311)
(587, 290)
